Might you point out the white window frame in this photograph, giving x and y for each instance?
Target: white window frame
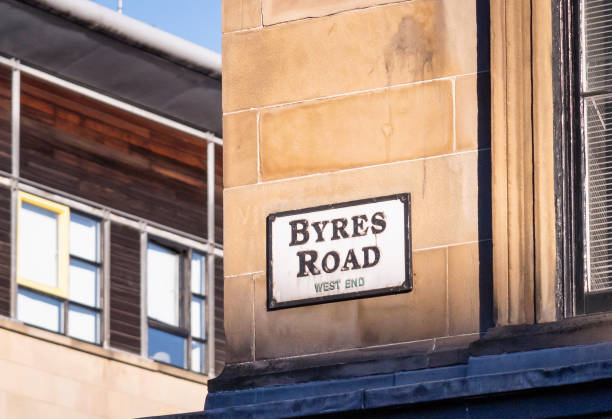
(64, 257)
(184, 330)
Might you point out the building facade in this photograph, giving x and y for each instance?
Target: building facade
(489, 118)
(111, 251)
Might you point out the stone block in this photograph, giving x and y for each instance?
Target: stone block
(416, 315)
(303, 330)
(444, 194)
(277, 11)
(240, 14)
(239, 321)
(240, 149)
(464, 287)
(413, 316)
(23, 407)
(121, 405)
(466, 108)
(178, 395)
(53, 359)
(412, 41)
(358, 130)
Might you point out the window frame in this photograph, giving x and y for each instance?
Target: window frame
(185, 254)
(100, 265)
(63, 251)
(61, 294)
(571, 170)
(158, 234)
(203, 321)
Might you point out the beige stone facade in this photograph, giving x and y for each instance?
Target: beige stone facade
(329, 102)
(95, 333)
(46, 375)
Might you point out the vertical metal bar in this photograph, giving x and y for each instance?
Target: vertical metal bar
(120, 6)
(14, 210)
(210, 299)
(187, 306)
(15, 119)
(15, 135)
(210, 296)
(144, 324)
(106, 261)
(64, 322)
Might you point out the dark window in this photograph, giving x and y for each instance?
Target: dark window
(585, 155)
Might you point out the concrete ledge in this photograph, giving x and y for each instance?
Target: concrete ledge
(361, 362)
(485, 376)
(582, 330)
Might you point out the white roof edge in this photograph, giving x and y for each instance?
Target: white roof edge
(137, 32)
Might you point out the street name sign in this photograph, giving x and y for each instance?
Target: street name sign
(339, 251)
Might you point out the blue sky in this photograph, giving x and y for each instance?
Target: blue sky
(198, 21)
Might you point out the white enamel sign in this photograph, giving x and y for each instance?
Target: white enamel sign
(339, 251)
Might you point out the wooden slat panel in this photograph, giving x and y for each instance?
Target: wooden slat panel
(219, 329)
(5, 252)
(91, 150)
(219, 194)
(125, 288)
(5, 119)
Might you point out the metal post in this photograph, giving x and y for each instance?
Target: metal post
(144, 324)
(186, 293)
(210, 296)
(14, 209)
(120, 6)
(15, 135)
(15, 119)
(105, 303)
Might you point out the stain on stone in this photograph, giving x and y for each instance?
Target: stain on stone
(412, 47)
(412, 50)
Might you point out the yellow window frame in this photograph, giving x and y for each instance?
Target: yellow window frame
(63, 257)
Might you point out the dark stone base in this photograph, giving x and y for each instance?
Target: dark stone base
(555, 369)
(543, 383)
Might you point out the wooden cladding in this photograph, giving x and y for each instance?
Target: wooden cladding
(5, 119)
(93, 151)
(83, 147)
(219, 326)
(219, 194)
(5, 251)
(5, 194)
(125, 288)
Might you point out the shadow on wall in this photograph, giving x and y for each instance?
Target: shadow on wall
(484, 165)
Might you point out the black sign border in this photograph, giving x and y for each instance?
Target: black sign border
(405, 287)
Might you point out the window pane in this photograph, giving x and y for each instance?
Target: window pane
(38, 310)
(599, 191)
(166, 347)
(83, 237)
(162, 284)
(83, 283)
(197, 317)
(598, 48)
(197, 356)
(198, 272)
(83, 323)
(38, 244)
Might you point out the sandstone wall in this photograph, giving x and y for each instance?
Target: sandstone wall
(336, 101)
